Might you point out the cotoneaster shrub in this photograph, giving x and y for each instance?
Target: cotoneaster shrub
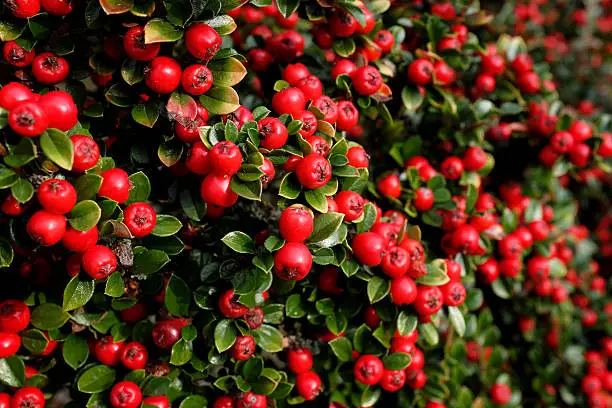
(304, 203)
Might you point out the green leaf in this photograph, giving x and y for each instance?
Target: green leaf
(22, 190)
(557, 268)
(294, 308)
(378, 288)
(96, 379)
(269, 338)
(317, 200)
(192, 204)
(6, 253)
(412, 99)
(114, 285)
(287, 7)
(178, 296)
(11, 29)
(116, 6)
(166, 225)
(77, 293)
(248, 172)
(147, 114)
(430, 333)
(194, 401)
(225, 335)
(369, 218)
(158, 30)
(223, 24)
(141, 188)
(57, 147)
(132, 72)
(406, 323)
(120, 95)
(220, 100)
(344, 47)
(49, 316)
(472, 196)
(7, 177)
(397, 361)
(85, 215)
(250, 190)
(169, 153)
(289, 187)
(342, 348)
(75, 351)
(12, 371)
(456, 318)
(182, 351)
(227, 72)
(325, 225)
(87, 186)
(34, 340)
(500, 289)
(239, 242)
(147, 262)
(21, 154)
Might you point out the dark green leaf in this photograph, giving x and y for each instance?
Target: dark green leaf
(85, 215)
(49, 316)
(57, 147)
(77, 293)
(96, 379)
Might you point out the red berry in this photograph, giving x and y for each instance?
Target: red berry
(350, 204)
(216, 190)
(197, 159)
(485, 83)
(528, 82)
(390, 186)
(268, 171)
(293, 73)
(319, 145)
(50, 69)
(579, 155)
(243, 348)
(341, 23)
(162, 401)
(465, 239)
(313, 171)
(30, 397)
(80, 241)
(125, 394)
(23, 8)
(488, 272)
(225, 158)
(202, 41)
(328, 108)
(140, 218)
(299, 360)
(13, 93)
(17, 56)
(420, 71)
(403, 291)
(311, 86)
(229, 306)
(369, 248)
(46, 228)
(522, 63)
(445, 10)
(310, 125)
(14, 316)
(108, 351)
(296, 223)
(343, 67)
(134, 356)
(99, 262)
(562, 142)
(293, 261)
(60, 109)
(492, 64)
(259, 60)
(443, 74)
(9, 344)
(57, 7)
(474, 158)
(28, 119)
(196, 79)
(115, 185)
(273, 133)
(451, 168)
(368, 369)
(167, 332)
(240, 116)
(86, 153)
(290, 101)
(358, 157)
(224, 402)
(254, 317)
(163, 75)
(424, 199)
(454, 293)
(308, 385)
(251, 400)
(580, 130)
(396, 262)
(500, 394)
(57, 196)
(429, 300)
(367, 80)
(135, 47)
(393, 380)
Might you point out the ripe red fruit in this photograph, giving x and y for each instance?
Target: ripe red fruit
(454, 293)
(310, 124)
(465, 239)
(135, 47)
(243, 348)
(343, 67)
(197, 159)
(451, 168)
(562, 142)
(240, 116)
(368, 369)
(488, 272)
(163, 75)
(290, 101)
(485, 83)
(134, 356)
(348, 116)
(202, 41)
(216, 190)
(420, 71)
(341, 23)
(328, 108)
(424, 199)
(23, 8)
(28, 119)
(393, 380)
(9, 344)
(474, 158)
(224, 402)
(396, 262)
(80, 241)
(286, 46)
(14, 316)
(539, 230)
(57, 7)
(60, 109)
(99, 262)
(443, 74)
(229, 306)
(160, 401)
(429, 300)
(17, 56)
(167, 332)
(358, 157)
(445, 10)
(580, 130)
(251, 400)
(367, 80)
(313, 171)
(273, 133)
(125, 394)
(293, 261)
(115, 185)
(268, 171)
(254, 317)
(350, 204)
(579, 155)
(388, 231)
(319, 145)
(140, 218)
(311, 86)
(196, 79)
(296, 223)
(259, 60)
(299, 360)
(108, 351)
(492, 64)
(403, 291)
(50, 69)
(30, 397)
(369, 248)
(13, 93)
(57, 196)
(500, 394)
(390, 186)
(510, 246)
(86, 153)
(293, 73)
(528, 82)
(308, 385)
(225, 158)
(46, 228)
(5, 400)
(522, 63)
